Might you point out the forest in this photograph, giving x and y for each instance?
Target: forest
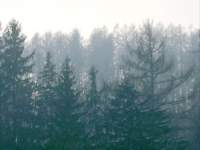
(135, 88)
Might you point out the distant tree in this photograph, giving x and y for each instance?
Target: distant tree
(16, 90)
(177, 47)
(56, 44)
(76, 53)
(101, 52)
(36, 45)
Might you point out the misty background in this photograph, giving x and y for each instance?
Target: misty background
(99, 75)
(65, 15)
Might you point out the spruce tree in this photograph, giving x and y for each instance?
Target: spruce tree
(46, 100)
(123, 117)
(16, 90)
(132, 125)
(66, 121)
(93, 115)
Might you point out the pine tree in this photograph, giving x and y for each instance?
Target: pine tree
(16, 90)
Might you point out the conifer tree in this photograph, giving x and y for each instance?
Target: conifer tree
(66, 121)
(93, 115)
(132, 124)
(150, 73)
(123, 117)
(46, 100)
(16, 90)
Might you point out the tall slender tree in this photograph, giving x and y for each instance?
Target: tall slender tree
(94, 115)
(46, 100)
(66, 121)
(16, 90)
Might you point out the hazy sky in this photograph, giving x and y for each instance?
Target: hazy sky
(64, 15)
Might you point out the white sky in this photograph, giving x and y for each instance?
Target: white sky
(64, 15)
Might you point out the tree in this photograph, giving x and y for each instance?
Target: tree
(123, 118)
(46, 100)
(16, 90)
(76, 54)
(36, 45)
(101, 54)
(193, 114)
(66, 121)
(150, 70)
(93, 115)
(133, 126)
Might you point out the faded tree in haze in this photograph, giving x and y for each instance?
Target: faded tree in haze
(149, 70)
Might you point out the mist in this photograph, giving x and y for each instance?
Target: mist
(99, 84)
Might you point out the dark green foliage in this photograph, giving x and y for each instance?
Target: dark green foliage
(46, 101)
(133, 124)
(122, 114)
(16, 90)
(66, 121)
(50, 110)
(94, 116)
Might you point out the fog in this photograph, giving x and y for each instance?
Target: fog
(42, 16)
(99, 75)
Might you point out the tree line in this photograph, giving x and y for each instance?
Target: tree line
(136, 89)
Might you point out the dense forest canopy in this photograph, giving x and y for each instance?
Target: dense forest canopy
(136, 88)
